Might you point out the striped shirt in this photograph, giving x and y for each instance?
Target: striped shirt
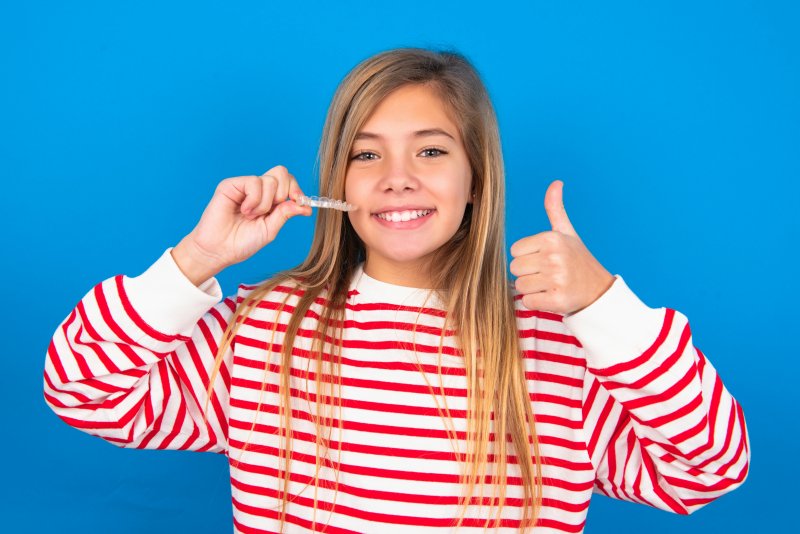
(624, 404)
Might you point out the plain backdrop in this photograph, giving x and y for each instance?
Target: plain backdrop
(675, 126)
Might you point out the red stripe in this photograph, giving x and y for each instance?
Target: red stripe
(732, 424)
(349, 362)
(681, 412)
(192, 389)
(205, 378)
(367, 326)
(53, 354)
(393, 519)
(134, 358)
(601, 422)
(77, 357)
(352, 344)
(539, 355)
(525, 313)
(555, 379)
(90, 426)
(166, 391)
(637, 486)
(385, 407)
(666, 395)
(389, 429)
(62, 375)
(109, 365)
(396, 452)
(173, 425)
(610, 460)
(658, 371)
(544, 335)
(713, 413)
(391, 496)
(276, 515)
(322, 302)
(665, 497)
(85, 402)
(137, 319)
(346, 381)
(690, 433)
(646, 355)
(361, 382)
(105, 312)
(725, 481)
(584, 468)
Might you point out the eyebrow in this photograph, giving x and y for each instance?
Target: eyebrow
(419, 133)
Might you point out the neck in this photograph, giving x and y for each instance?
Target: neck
(409, 274)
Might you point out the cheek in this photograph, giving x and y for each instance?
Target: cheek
(353, 190)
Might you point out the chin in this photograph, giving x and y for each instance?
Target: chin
(407, 256)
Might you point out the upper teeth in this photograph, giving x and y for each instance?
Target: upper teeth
(397, 216)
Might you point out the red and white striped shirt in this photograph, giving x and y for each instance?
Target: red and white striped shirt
(624, 404)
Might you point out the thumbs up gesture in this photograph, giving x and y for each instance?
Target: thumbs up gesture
(555, 271)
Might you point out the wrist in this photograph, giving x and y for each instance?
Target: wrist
(604, 285)
(193, 263)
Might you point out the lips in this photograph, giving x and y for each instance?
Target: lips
(401, 207)
(402, 215)
(405, 217)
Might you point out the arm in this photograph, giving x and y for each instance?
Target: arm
(131, 363)
(660, 426)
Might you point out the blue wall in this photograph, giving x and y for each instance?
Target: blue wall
(675, 127)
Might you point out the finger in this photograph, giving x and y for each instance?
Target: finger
(554, 206)
(252, 188)
(280, 173)
(268, 186)
(285, 180)
(536, 301)
(531, 284)
(528, 245)
(282, 192)
(526, 264)
(294, 190)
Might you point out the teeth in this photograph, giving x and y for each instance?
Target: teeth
(402, 216)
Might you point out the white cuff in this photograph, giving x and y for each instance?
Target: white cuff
(167, 300)
(617, 327)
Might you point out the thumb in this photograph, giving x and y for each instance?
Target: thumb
(282, 213)
(554, 206)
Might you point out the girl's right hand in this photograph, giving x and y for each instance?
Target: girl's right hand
(244, 215)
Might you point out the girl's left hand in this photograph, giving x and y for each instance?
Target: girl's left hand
(555, 271)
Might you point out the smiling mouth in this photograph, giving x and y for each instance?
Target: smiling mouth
(402, 216)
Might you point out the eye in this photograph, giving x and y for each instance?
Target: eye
(364, 156)
(433, 152)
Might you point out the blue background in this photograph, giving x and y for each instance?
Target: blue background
(674, 125)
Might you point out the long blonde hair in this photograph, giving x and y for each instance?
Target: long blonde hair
(470, 269)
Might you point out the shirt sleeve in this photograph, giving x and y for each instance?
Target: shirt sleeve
(133, 360)
(661, 427)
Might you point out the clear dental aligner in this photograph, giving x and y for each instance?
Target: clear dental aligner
(324, 202)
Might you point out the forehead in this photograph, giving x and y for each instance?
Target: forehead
(409, 109)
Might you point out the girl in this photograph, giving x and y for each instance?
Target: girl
(395, 380)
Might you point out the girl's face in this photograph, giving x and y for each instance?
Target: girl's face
(410, 177)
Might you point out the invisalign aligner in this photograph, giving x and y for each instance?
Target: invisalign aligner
(324, 202)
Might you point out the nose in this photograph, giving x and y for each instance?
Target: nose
(398, 176)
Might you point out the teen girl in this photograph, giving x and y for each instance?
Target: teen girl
(396, 380)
